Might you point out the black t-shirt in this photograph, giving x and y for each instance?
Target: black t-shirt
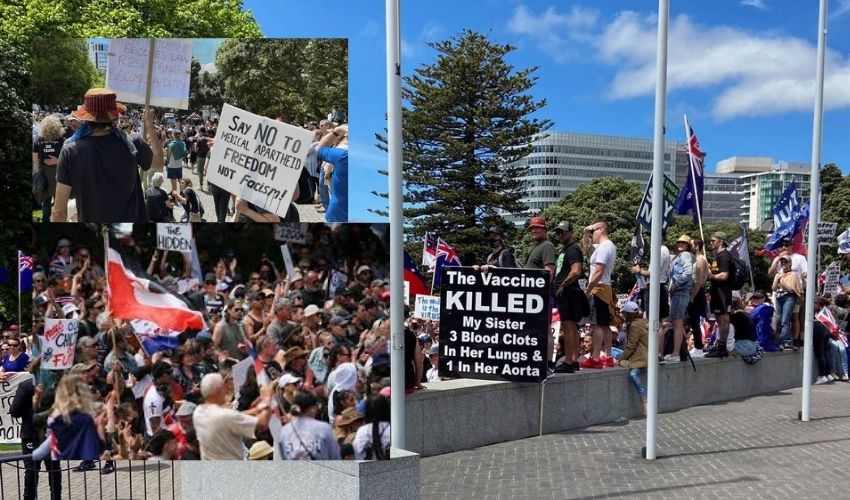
(47, 149)
(568, 256)
(193, 206)
(202, 146)
(155, 199)
(724, 265)
(104, 177)
(743, 326)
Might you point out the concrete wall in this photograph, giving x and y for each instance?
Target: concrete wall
(355, 480)
(463, 414)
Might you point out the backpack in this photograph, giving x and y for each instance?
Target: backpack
(202, 146)
(739, 275)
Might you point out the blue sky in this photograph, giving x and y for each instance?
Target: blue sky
(743, 70)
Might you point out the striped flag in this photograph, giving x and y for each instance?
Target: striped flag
(429, 251)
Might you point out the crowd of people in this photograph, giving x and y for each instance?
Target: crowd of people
(123, 165)
(286, 367)
(702, 309)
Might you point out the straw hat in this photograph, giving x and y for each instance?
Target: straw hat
(260, 450)
(349, 416)
(685, 239)
(99, 106)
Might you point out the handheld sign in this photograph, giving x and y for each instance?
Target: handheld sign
(258, 159)
(494, 325)
(177, 237)
(427, 307)
(127, 71)
(832, 284)
(287, 261)
(10, 428)
(826, 231)
(294, 232)
(58, 343)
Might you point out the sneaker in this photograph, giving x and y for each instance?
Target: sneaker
(85, 465)
(108, 468)
(830, 378)
(717, 353)
(591, 363)
(697, 353)
(845, 378)
(671, 358)
(821, 380)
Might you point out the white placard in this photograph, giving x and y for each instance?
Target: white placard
(832, 284)
(258, 159)
(287, 261)
(10, 428)
(127, 71)
(176, 237)
(407, 292)
(291, 231)
(58, 343)
(427, 307)
(826, 231)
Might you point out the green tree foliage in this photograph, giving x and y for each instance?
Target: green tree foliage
(467, 121)
(61, 71)
(835, 190)
(299, 79)
(205, 89)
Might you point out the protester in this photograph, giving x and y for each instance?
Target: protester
(698, 306)
(635, 352)
(45, 157)
(600, 294)
(571, 301)
(680, 284)
(502, 255)
(721, 292)
(787, 290)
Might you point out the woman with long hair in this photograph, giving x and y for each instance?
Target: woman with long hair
(372, 441)
(72, 433)
(45, 158)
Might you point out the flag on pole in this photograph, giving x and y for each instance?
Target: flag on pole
(132, 297)
(429, 251)
(24, 272)
(637, 246)
(411, 275)
(153, 338)
(790, 217)
(446, 257)
(844, 242)
(690, 197)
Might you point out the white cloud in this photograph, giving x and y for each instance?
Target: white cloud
(208, 68)
(843, 8)
(558, 34)
(756, 74)
(759, 4)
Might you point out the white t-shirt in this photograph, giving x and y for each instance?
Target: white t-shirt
(799, 265)
(605, 254)
(153, 407)
(431, 375)
(221, 430)
(666, 264)
(363, 439)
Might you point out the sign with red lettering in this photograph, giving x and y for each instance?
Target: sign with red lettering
(58, 343)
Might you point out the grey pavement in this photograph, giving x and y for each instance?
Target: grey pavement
(132, 481)
(753, 448)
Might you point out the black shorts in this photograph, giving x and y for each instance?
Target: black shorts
(572, 304)
(664, 306)
(599, 313)
(721, 300)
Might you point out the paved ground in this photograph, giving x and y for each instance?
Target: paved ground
(755, 448)
(136, 480)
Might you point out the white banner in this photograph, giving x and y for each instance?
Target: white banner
(10, 428)
(127, 71)
(427, 307)
(832, 284)
(258, 159)
(58, 343)
(287, 261)
(826, 231)
(406, 292)
(294, 232)
(176, 237)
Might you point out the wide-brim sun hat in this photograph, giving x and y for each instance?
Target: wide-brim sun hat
(100, 105)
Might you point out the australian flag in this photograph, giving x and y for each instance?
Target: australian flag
(24, 272)
(446, 257)
(690, 197)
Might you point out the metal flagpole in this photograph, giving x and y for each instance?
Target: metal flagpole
(814, 218)
(394, 144)
(657, 220)
(693, 180)
(20, 314)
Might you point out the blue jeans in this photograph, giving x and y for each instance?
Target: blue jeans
(838, 357)
(634, 377)
(786, 305)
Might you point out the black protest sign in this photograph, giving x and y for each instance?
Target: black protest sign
(494, 325)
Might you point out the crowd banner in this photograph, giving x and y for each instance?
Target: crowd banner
(644, 214)
(826, 232)
(427, 307)
(10, 428)
(291, 231)
(58, 343)
(127, 71)
(287, 261)
(832, 283)
(258, 159)
(176, 237)
(494, 325)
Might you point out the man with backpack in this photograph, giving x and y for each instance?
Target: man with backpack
(721, 277)
(177, 151)
(202, 150)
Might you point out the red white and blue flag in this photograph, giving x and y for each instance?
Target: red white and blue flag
(446, 257)
(690, 197)
(135, 298)
(412, 276)
(429, 251)
(24, 272)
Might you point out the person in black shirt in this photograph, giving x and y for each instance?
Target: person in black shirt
(100, 163)
(570, 298)
(158, 202)
(32, 410)
(192, 205)
(45, 157)
(720, 277)
(502, 255)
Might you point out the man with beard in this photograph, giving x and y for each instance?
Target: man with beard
(157, 401)
(502, 255)
(570, 299)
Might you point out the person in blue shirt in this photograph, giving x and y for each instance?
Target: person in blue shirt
(333, 149)
(16, 360)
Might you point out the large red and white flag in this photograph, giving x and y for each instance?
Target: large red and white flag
(134, 298)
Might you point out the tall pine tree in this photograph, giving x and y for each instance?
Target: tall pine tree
(467, 121)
